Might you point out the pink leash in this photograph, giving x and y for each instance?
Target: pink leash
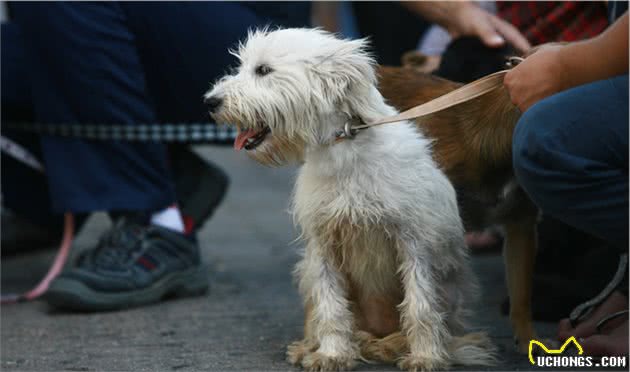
(16, 151)
(55, 269)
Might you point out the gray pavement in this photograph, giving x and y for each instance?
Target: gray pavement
(244, 323)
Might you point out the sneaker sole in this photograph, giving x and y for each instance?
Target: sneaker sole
(72, 294)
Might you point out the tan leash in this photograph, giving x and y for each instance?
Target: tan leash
(463, 94)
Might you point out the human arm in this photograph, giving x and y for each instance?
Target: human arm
(554, 68)
(464, 18)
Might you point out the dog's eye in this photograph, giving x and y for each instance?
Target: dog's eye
(262, 70)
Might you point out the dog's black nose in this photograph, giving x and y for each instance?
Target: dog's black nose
(213, 103)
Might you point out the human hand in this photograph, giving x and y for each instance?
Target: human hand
(540, 75)
(539, 47)
(469, 19)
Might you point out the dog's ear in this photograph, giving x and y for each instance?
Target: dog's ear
(345, 68)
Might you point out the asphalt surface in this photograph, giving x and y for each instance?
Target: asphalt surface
(244, 323)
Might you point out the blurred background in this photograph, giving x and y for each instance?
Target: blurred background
(204, 214)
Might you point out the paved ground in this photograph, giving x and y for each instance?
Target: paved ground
(251, 313)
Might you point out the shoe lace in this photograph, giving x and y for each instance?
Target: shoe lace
(120, 244)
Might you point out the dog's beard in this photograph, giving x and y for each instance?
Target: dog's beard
(266, 138)
(266, 144)
(278, 151)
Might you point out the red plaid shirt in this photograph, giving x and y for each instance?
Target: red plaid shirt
(546, 21)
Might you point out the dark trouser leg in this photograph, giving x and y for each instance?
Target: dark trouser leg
(24, 190)
(190, 40)
(184, 46)
(570, 153)
(102, 63)
(83, 67)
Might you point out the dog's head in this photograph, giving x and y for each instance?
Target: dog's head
(294, 88)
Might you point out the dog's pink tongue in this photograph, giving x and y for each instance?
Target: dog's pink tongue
(242, 138)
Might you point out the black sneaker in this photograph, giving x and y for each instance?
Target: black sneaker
(132, 265)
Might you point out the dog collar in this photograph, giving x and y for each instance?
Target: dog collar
(350, 129)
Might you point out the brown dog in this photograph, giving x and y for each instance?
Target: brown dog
(473, 146)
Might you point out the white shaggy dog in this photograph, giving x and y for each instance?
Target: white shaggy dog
(385, 272)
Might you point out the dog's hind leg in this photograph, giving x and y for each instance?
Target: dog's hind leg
(330, 322)
(422, 320)
(520, 253)
(388, 349)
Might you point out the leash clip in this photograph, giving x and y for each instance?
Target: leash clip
(513, 61)
(348, 132)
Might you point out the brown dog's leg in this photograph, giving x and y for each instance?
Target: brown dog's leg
(520, 252)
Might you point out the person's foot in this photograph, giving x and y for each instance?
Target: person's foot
(588, 326)
(132, 265)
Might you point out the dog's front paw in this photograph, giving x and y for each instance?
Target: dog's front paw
(297, 350)
(523, 333)
(320, 362)
(417, 363)
(521, 347)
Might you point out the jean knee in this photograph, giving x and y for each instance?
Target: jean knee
(531, 148)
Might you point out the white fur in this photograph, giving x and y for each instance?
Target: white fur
(405, 231)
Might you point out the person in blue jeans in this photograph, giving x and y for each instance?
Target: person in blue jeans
(123, 63)
(570, 153)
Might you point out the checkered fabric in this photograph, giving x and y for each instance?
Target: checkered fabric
(547, 21)
(183, 133)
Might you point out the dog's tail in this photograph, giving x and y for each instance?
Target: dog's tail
(473, 349)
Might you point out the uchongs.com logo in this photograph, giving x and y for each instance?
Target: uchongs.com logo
(555, 357)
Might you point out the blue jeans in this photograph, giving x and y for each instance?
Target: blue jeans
(570, 154)
(123, 63)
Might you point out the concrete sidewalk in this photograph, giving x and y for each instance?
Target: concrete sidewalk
(244, 323)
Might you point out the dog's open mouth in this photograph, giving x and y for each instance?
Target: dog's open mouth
(250, 138)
